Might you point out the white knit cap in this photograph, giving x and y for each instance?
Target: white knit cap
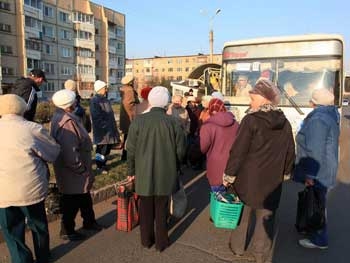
(99, 84)
(322, 97)
(70, 84)
(218, 95)
(158, 97)
(63, 98)
(12, 104)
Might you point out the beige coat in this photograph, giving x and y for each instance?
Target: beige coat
(25, 149)
(73, 167)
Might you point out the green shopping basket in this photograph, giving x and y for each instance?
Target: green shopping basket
(225, 215)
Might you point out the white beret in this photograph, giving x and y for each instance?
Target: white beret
(63, 98)
(99, 84)
(12, 104)
(322, 97)
(158, 97)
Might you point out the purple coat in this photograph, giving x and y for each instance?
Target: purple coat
(217, 135)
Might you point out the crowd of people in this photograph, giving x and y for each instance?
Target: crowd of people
(158, 137)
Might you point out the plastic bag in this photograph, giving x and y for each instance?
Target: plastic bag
(178, 201)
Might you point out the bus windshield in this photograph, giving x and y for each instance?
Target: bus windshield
(295, 77)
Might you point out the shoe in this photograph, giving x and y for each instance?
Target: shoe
(75, 236)
(95, 227)
(308, 244)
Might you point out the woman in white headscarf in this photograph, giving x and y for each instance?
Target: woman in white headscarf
(25, 148)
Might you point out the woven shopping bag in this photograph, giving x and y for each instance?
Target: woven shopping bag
(127, 210)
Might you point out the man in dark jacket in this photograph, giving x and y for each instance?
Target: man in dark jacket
(261, 155)
(27, 89)
(104, 127)
(155, 145)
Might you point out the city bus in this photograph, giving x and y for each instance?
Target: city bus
(296, 64)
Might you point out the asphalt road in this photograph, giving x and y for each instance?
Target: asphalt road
(195, 239)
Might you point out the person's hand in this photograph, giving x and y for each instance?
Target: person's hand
(309, 182)
(130, 178)
(226, 184)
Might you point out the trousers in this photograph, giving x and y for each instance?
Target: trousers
(12, 222)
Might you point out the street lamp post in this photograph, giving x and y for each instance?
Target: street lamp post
(211, 34)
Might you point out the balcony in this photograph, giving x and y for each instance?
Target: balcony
(84, 27)
(128, 66)
(112, 49)
(33, 12)
(34, 54)
(85, 61)
(112, 79)
(84, 43)
(33, 32)
(86, 77)
(113, 64)
(112, 34)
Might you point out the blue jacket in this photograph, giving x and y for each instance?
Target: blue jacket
(317, 147)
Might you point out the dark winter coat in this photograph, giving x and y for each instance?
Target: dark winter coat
(104, 126)
(217, 135)
(263, 152)
(156, 143)
(27, 89)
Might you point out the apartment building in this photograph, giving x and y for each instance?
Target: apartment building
(68, 39)
(158, 70)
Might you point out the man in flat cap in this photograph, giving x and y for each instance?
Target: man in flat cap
(27, 88)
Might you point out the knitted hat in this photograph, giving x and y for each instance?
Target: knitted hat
(12, 104)
(63, 98)
(266, 89)
(158, 97)
(99, 84)
(216, 105)
(322, 97)
(145, 92)
(218, 95)
(127, 79)
(70, 85)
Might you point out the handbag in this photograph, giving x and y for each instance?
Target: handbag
(178, 201)
(310, 211)
(52, 201)
(127, 209)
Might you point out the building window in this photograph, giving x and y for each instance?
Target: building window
(97, 63)
(179, 78)
(34, 3)
(96, 31)
(83, 18)
(85, 69)
(5, 27)
(32, 22)
(120, 74)
(66, 52)
(66, 70)
(170, 69)
(119, 46)
(48, 31)
(120, 61)
(179, 69)
(187, 69)
(6, 50)
(65, 34)
(49, 86)
(97, 47)
(119, 32)
(7, 71)
(48, 49)
(84, 52)
(33, 45)
(48, 11)
(49, 68)
(33, 63)
(83, 35)
(64, 17)
(5, 6)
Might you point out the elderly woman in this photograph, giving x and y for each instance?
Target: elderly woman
(73, 166)
(261, 155)
(105, 132)
(217, 135)
(316, 163)
(25, 149)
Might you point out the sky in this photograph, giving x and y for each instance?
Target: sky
(174, 28)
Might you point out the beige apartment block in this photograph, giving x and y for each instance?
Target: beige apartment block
(68, 39)
(159, 70)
